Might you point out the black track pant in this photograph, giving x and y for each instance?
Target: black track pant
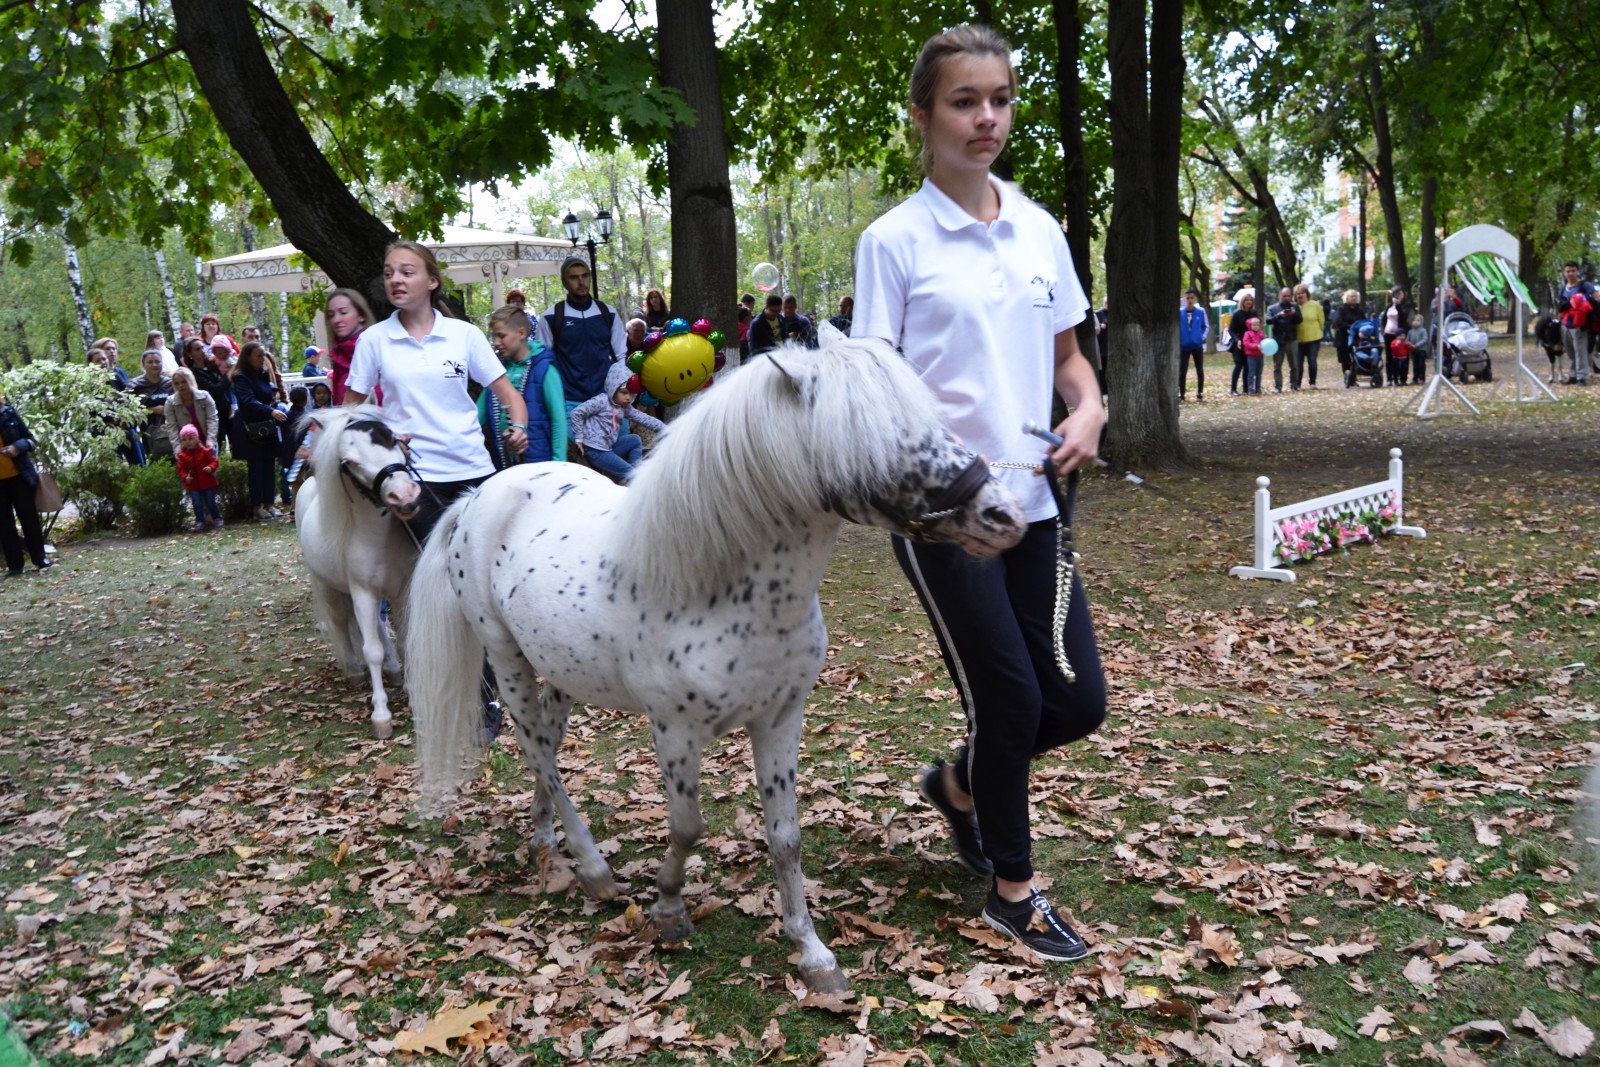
(993, 620)
(435, 500)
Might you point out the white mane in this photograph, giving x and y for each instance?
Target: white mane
(334, 498)
(782, 437)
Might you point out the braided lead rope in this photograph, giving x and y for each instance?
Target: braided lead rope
(1066, 560)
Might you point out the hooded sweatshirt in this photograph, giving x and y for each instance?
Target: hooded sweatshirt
(598, 422)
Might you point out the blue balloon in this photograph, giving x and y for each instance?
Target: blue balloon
(1269, 347)
(677, 326)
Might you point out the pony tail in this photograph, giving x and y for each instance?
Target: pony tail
(444, 665)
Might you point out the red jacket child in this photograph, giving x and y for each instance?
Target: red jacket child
(197, 464)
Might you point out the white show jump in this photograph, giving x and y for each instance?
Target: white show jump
(1270, 561)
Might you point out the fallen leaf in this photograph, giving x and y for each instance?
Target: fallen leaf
(1369, 1023)
(448, 1025)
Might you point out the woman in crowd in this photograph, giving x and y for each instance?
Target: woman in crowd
(190, 405)
(1395, 321)
(192, 356)
(656, 313)
(211, 331)
(995, 363)
(1345, 316)
(345, 315)
(152, 388)
(18, 481)
(1237, 324)
(423, 359)
(1309, 334)
(110, 352)
(255, 396)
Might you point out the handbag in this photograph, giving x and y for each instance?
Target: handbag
(47, 494)
(262, 431)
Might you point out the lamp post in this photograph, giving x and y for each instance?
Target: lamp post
(602, 228)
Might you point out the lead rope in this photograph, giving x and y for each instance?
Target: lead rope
(1066, 558)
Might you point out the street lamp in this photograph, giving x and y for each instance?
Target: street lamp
(602, 228)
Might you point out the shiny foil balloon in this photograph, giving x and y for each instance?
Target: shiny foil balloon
(678, 366)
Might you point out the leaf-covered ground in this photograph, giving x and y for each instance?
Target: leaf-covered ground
(1328, 822)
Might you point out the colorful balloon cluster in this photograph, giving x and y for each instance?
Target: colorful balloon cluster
(677, 361)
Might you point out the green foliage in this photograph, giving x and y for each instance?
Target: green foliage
(823, 86)
(233, 490)
(98, 488)
(70, 410)
(106, 125)
(154, 499)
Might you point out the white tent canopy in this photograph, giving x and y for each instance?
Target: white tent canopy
(466, 256)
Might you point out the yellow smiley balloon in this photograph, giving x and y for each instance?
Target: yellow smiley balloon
(678, 366)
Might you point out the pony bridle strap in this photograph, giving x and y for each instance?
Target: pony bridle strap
(973, 477)
(374, 492)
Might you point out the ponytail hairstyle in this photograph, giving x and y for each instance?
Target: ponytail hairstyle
(431, 263)
(963, 40)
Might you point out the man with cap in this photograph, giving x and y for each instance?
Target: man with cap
(585, 335)
(313, 367)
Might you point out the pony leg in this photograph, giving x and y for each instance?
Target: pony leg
(374, 648)
(541, 726)
(679, 756)
(776, 747)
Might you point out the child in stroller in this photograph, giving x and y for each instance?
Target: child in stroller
(1466, 348)
(1366, 353)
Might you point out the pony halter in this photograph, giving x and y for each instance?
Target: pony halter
(973, 477)
(374, 492)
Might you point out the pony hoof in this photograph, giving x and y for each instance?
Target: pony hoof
(599, 886)
(382, 730)
(828, 979)
(673, 927)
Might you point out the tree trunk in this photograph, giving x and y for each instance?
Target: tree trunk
(80, 303)
(1075, 175)
(283, 323)
(1361, 250)
(1142, 242)
(1429, 251)
(169, 300)
(24, 353)
(316, 209)
(202, 295)
(704, 241)
(1383, 174)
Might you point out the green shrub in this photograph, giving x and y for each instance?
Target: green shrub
(98, 487)
(154, 499)
(233, 490)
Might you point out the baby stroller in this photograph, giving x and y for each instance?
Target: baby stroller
(1366, 353)
(1466, 348)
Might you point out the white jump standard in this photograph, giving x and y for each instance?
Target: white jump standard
(1300, 530)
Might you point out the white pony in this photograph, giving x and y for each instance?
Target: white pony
(348, 518)
(690, 596)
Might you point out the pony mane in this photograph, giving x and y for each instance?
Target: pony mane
(334, 498)
(771, 446)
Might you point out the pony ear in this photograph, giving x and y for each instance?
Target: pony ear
(795, 382)
(829, 335)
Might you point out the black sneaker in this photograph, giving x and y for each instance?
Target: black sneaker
(963, 824)
(1035, 923)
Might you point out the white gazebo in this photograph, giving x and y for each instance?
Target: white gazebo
(467, 256)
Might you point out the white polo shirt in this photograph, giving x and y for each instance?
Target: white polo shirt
(425, 391)
(976, 308)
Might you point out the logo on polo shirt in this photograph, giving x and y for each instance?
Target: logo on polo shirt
(454, 369)
(1044, 291)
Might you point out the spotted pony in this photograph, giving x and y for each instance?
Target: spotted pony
(689, 596)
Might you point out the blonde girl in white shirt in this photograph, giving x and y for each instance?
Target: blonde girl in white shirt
(423, 358)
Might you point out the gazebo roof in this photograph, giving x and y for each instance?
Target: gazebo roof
(466, 255)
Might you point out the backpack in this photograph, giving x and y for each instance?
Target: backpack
(558, 316)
